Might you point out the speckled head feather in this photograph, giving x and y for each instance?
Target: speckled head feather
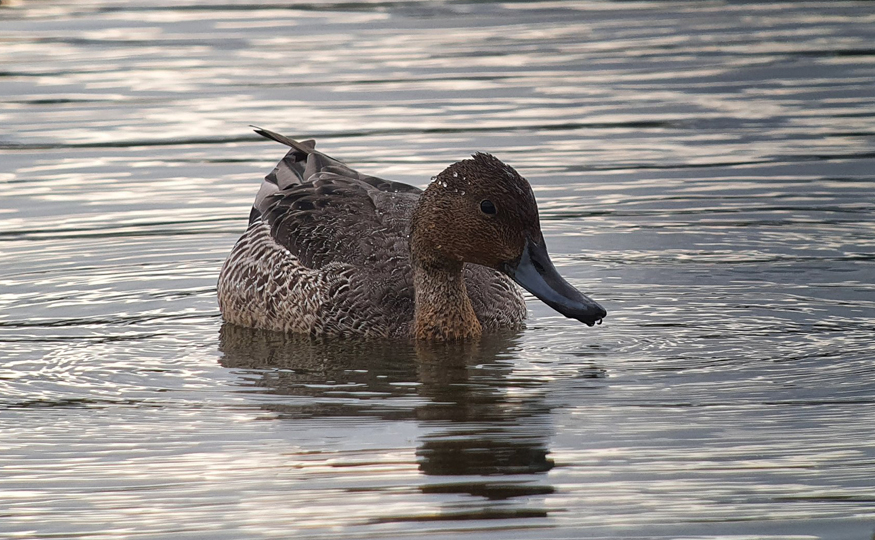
(450, 221)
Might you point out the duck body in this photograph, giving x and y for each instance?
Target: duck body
(330, 251)
(327, 253)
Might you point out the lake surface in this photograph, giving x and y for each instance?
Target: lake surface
(705, 171)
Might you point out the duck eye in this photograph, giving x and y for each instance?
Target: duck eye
(487, 207)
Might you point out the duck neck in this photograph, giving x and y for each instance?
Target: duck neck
(443, 308)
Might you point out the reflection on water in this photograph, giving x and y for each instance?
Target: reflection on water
(456, 391)
(706, 170)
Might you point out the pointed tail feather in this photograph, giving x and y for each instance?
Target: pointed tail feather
(307, 147)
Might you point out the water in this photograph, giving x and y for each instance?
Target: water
(704, 171)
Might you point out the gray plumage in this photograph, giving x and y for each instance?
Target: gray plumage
(327, 253)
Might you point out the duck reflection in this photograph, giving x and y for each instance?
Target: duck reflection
(375, 375)
(481, 424)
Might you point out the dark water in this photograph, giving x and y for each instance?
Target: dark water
(706, 171)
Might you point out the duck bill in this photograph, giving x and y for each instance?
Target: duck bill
(534, 271)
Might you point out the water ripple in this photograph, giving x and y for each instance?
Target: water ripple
(704, 172)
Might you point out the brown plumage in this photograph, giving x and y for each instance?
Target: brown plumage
(330, 251)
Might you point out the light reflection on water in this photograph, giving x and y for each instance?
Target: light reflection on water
(706, 173)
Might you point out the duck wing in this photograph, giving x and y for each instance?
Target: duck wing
(338, 219)
(304, 164)
(325, 212)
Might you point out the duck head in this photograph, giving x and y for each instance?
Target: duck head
(482, 211)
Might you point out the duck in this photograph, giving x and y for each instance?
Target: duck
(330, 251)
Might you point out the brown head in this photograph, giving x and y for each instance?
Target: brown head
(482, 211)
